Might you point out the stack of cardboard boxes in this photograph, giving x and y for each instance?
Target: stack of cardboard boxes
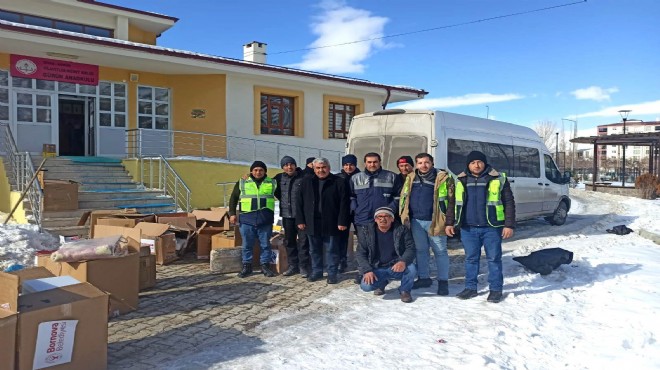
(52, 323)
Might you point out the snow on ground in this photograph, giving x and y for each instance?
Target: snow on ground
(19, 243)
(601, 311)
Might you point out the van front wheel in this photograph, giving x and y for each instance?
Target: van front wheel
(558, 218)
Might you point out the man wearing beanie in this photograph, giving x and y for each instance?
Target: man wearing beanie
(386, 252)
(485, 211)
(255, 197)
(371, 189)
(297, 247)
(309, 167)
(349, 168)
(423, 205)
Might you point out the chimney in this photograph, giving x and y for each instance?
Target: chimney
(255, 52)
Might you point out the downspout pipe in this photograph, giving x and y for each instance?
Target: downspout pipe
(387, 98)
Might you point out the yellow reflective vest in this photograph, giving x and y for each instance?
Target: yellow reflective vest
(494, 205)
(254, 198)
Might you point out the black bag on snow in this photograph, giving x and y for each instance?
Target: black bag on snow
(619, 230)
(545, 260)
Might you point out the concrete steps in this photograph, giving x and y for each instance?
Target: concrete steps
(103, 184)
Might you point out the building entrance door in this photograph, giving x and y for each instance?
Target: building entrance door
(72, 127)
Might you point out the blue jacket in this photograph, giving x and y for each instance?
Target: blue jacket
(372, 190)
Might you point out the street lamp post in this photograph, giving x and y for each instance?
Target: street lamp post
(573, 144)
(624, 116)
(557, 148)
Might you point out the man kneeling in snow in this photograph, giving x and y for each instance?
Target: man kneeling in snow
(386, 253)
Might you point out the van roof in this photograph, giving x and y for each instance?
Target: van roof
(464, 122)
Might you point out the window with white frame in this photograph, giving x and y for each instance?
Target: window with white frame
(4, 96)
(112, 104)
(153, 108)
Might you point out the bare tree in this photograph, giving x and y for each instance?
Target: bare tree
(546, 130)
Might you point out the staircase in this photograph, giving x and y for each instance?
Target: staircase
(104, 183)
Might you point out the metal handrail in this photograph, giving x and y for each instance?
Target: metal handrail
(171, 143)
(168, 181)
(22, 172)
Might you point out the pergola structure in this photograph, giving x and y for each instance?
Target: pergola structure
(650, 139)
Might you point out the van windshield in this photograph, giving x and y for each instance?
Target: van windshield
(396, 147)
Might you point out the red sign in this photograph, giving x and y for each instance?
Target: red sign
(54, 70)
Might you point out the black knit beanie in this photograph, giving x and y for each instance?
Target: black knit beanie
(286, 160)
(476, 156)
(256, 164)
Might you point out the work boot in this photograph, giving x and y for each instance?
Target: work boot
(332, 279)
(379, 291)
(358, 278)
(443, 287)
(246, 270)
(494, 296)
(292, 270)
(422, 283)
(265, 269)
(314, 277)
(406, 297)
(467, 294)
(304, 273)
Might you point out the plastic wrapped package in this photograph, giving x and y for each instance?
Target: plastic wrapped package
(92, 249)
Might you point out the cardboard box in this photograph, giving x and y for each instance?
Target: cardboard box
(278, 253)
(94, 216)
(8, 321)
(147, 272)
(224, 241)
(75, 314)
(226, 260)
(181, 221)
(204, 241)
(60, 195)
(215, 217)
(119, 277)
(124, 220)
(161, 241)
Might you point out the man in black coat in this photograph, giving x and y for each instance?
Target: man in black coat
(322, 212)
(386, 253)
(349, 168)
(297, 246)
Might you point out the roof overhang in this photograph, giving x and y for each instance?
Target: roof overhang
(150, 22)
(38, 41)
(641, 139)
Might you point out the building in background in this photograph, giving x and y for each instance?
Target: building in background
(637, 157)
(80, 73)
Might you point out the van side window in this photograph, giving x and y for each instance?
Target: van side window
(500, 156)
(526, 162)
(551, 171)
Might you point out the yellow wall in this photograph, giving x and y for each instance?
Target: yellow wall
(201, 177)
(8, 198)
(136, 34)
(4, 61)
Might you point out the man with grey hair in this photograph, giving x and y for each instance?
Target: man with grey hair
(322, 212)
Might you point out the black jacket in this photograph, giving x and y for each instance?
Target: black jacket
(367, 256)
(334, 204)
(287, 188)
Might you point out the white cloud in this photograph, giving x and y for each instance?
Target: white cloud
(459, 101)
(648, 108)
(594, 93)
(338, 24)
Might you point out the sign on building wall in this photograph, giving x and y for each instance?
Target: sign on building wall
(54, 70)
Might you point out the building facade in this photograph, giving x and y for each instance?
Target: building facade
(83, 74)
(634, 153)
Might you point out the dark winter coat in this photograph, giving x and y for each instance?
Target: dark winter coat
(545, 260)
(367, 254)
(372, 190)
(334, 204)
(348, 177)
(287, 188)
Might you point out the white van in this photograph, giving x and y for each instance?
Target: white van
(538, 187)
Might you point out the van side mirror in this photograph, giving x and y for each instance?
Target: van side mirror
(567, 177)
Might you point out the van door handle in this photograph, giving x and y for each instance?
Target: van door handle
(547, 184)
(540, 183)
(512, 181)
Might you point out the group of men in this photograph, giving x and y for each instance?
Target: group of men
(398, 219)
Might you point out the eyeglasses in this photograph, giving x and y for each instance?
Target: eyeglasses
(383, 217)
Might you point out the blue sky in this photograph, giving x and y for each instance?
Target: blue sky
(587, 60)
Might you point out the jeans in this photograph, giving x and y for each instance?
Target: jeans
(316, 245)
(342, 244)
(297, 246)
(250, 233)
(420, 233)
(385, 274)
(491, 238)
